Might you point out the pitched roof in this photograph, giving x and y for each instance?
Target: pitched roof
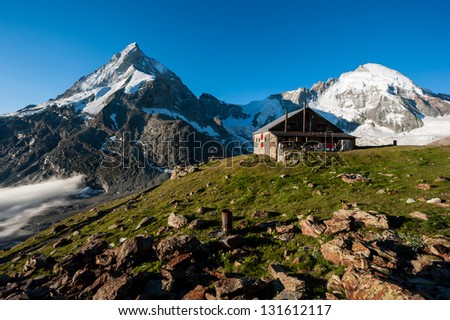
(281, 119)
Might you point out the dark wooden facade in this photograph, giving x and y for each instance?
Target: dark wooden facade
(303, 129)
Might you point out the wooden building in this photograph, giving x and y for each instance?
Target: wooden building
(303, 129)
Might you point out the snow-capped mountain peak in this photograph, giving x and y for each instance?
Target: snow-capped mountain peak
(128, 70)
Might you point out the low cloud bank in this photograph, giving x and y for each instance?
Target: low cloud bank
(19, 204)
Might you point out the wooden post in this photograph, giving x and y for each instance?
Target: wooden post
(227, 221)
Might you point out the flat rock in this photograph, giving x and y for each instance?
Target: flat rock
(198, 293)
(170, 247)
(232, 287)
(312, 227)
(232, 241)
(176, 221)
(419, 215)
(133, 251)
(364, 285)
(115, 289)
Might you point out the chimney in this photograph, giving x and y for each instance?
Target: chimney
(286, 121)
(304, 116)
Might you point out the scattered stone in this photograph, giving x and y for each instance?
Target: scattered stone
(364, 285)
(285, 237)
(409, 201)
(260, 214)
(176, 221)
(423, 261)
(441, 179)
(337, 225)
(61, 243)
(334, 285)
(334, 250)
(285, 229)
(145, 222)
(113, 226)
(115, 289)
(232, 241)
(310, 185)
(36, 261)
(198, 293)
(197, 224)
(282, 176)
(290, 295)
(90, 250)
(419, 215)
(83, 278)
(201, 210)
(290, 283)
(330, 296)
(423, 186)
(434, 200)
(170, 247)
(230, 288)
(438, 246)
(177, 267)
(312, 227)
(105, 259)
(381, 191)
(363, 217)
(134, 251)
(58, 228)
(353, 178)
(179, 172)
(360, 249)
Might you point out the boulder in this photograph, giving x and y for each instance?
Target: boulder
(230, 288)
(197, 224)
(312, 227)
(83, 278)
(364, 285)
(419, 215)
(134, 251)
(438, 246)
(36, 261)
(337, 225)
(177, 267)
(334, 250)
(423, 261)
(145, 222)
(171, 247)
(179, 172)
(176, 221)
(289, 283)
(353, 178)
(231, 242)
(91, 249)
(423, 186)
(285, 229)
(115, 289)
(290, 295)
(198, 293)
(365, 218)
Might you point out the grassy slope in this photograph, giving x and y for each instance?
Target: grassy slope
(243, 186)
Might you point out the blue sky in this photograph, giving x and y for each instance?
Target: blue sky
(236, 50)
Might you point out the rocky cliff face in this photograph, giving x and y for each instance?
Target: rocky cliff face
(121, 126)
